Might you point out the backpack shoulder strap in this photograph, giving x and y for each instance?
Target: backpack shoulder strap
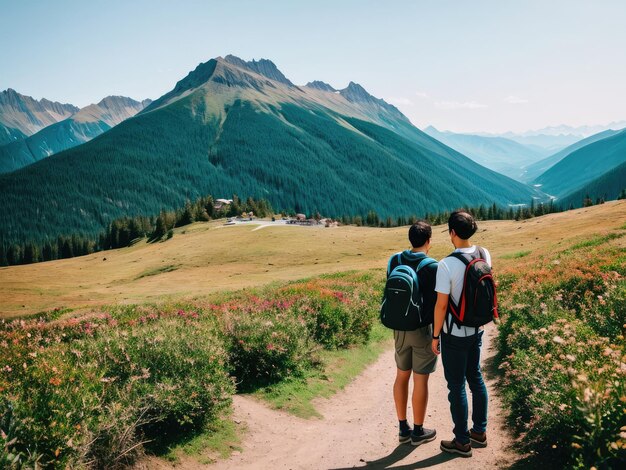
(394, 261)
(460, 256)
(425, 262)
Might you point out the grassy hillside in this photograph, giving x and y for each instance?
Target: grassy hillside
(207, 257)
(584, 165)
(298, 158)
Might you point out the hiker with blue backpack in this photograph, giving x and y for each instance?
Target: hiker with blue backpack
(466, 301)
(407, 308)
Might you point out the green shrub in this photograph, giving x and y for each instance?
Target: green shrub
(264, 349)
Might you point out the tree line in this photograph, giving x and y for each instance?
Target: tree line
(481, 212)
(125, 231)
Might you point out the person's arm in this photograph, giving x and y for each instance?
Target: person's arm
(442, 287)
(440, 313)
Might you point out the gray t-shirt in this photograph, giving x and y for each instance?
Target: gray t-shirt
(450, 275)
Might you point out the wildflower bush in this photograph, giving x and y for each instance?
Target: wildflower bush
(92, 392)
(338, 313)
(97, 390)
(561, 347)
(264, 349)
(273, 334)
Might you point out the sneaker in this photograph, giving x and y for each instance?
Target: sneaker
(454, 447)
(404, 435)
(478, 439)
(426, 435)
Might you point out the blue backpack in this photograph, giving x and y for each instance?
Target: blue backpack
(403, 303)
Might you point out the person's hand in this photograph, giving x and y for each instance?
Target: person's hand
(435, 346)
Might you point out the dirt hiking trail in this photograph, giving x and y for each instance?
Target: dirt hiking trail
(359, 429)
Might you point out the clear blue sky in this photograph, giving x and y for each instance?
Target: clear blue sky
(460, 65)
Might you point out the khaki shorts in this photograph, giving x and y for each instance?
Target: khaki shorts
(414, 350)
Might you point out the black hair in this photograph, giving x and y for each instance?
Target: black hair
(419, 233)
(462, 223)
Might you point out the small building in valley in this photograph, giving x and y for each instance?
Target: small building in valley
(220, 203)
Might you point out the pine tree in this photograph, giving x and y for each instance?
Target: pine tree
(481, 214)
(372, 219)
(67, 250)
(185, 217)
(4, 261)
(14, 255)
(161, 227)
(208, 206)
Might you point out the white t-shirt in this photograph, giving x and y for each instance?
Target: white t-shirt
(450, 275)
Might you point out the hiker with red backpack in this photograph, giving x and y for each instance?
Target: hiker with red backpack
(466, 301)
(407, 308)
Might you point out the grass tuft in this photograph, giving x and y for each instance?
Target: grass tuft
(516, 255)
(218, 440)
(157, 271)
(596, 241)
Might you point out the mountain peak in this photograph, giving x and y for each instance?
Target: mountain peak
(198, 76)
(11, 96)
(355, 93)
(114, 101)
(26, 115)
(319, 85)
(264, 67)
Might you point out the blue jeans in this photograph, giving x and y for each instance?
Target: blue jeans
(461, 361)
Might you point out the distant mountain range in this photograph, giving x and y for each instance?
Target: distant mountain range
(590, 166)
(22, 116)
(82, 126)
(555, 138)
(497, 153)
(232, 126)
(580, 131)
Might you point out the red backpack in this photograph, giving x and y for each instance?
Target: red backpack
(478, 304)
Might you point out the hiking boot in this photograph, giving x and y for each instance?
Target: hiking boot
(404, 435)
(478, 439)
(453, 447)
(426, 435)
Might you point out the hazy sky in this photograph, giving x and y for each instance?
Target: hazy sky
(460, 65)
